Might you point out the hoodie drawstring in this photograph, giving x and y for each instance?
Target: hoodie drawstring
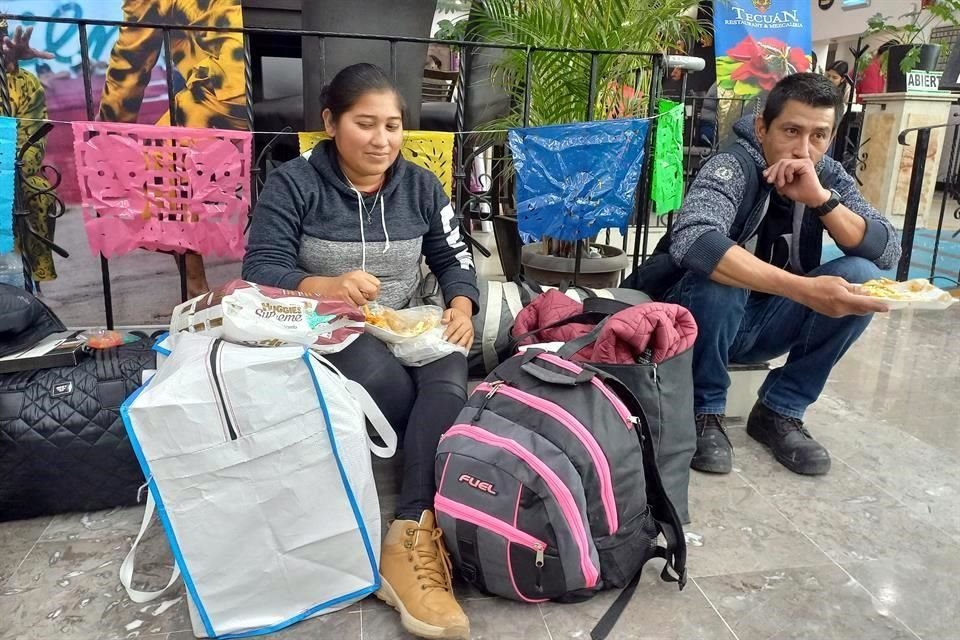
(383, 223)
(363, 240)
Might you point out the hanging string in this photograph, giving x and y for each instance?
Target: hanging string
(296, 133)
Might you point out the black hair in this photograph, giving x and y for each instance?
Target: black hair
(882, 49)
(840, 66)
(352, 83)
(811, 89)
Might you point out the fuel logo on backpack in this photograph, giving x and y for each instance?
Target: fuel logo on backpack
(476, 483)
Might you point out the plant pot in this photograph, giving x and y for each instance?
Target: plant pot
(897, 79)
(443, 54)
(596, 273)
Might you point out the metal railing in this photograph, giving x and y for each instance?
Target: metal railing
(468, 202)
(951, 192)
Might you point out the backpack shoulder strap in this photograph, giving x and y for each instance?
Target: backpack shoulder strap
(668, 522)
(660, 504)
(750, 192)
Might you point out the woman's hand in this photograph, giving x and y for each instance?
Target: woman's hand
(457, 320)
(356, 287)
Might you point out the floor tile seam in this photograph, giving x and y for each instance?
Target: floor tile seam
(872, 413)
(849, 575)
(803, 565)
(42, 533)
(545, 624)
(929, 521)
(23, 559)
(715, 609)
(886, 492)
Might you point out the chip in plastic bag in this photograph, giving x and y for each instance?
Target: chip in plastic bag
(392, 326)
(261, 316)
(414, 335)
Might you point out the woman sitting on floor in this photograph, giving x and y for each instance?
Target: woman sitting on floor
(351, 222)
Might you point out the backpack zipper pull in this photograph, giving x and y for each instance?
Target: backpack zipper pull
(539, 564)
(637, 423)
(494, 386)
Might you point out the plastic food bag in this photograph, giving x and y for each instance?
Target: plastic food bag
(414, 336)
(260, 316)
(105, 338)
(392, 326)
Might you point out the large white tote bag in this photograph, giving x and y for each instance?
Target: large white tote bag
(258, 463)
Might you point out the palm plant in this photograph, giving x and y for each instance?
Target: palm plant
(559, 87)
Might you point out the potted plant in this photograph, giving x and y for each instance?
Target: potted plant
(449, 30)
(559, 91)
(912, 30)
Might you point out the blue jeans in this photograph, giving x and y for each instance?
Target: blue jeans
(737, 327)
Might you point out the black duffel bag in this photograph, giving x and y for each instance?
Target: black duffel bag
(63, 446)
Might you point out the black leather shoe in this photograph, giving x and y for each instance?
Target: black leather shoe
(714, 452)
(789, 441)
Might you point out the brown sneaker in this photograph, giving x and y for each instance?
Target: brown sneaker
(415, 580)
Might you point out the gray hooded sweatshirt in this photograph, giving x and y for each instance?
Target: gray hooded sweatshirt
(309, 221)
(702, 228)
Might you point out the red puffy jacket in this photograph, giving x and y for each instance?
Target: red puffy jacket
(664, 329)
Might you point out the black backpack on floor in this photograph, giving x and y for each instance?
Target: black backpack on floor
(664, 390)
(548, 487)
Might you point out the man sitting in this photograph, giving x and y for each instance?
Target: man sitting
(754, 281)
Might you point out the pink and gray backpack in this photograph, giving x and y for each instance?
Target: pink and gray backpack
(548, 489)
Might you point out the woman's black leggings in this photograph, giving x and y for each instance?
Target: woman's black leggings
(420, 402)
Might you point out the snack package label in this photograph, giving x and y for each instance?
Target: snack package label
(255, 315)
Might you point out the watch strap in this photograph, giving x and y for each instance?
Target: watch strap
(832, 203)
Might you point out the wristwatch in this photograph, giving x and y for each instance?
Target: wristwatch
(832, 203)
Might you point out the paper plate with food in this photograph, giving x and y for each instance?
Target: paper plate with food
(915, 294)
(395, 326)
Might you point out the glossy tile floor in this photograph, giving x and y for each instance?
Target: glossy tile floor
(871, 551)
